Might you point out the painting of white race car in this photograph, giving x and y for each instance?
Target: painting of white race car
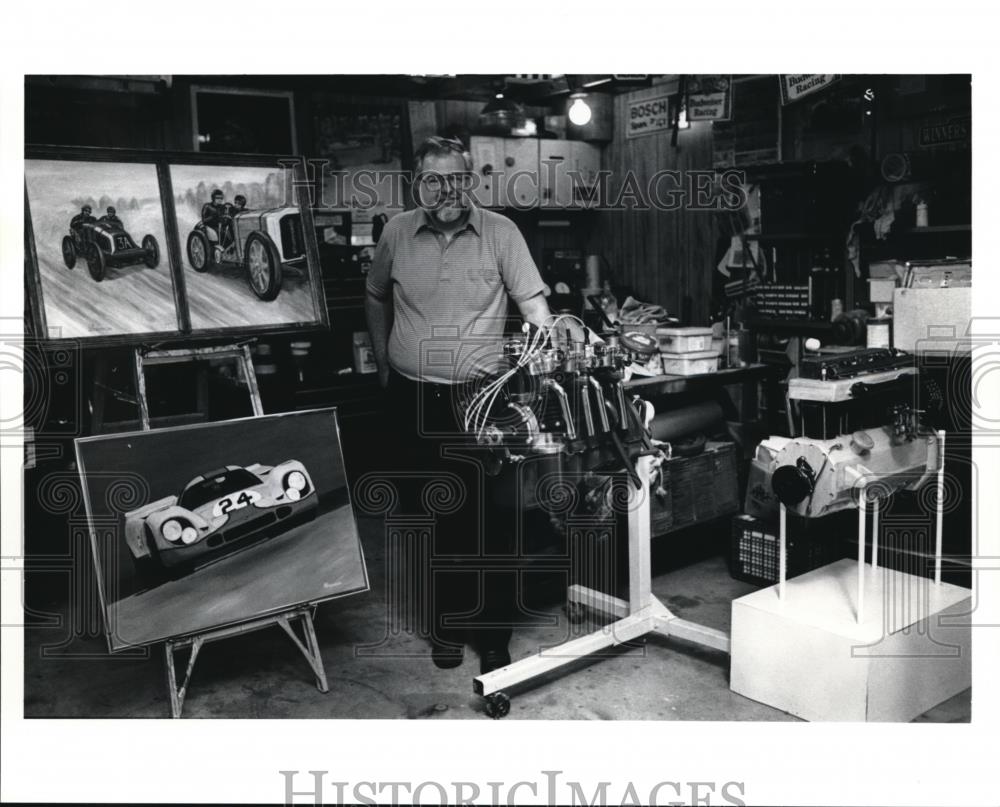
(260, 242)
(218, 511)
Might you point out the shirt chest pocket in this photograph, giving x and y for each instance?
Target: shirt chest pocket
(487, 275)
(483, 268)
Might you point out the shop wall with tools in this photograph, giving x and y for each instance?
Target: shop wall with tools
(853, 245)
(846, 184)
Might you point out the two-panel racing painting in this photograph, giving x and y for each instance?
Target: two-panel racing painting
(127, 245)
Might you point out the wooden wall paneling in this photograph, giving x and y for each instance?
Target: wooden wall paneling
(423, 121)
(454, 117)
(57, 112)
(666, 256)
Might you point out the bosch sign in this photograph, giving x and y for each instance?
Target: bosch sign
(647, 116)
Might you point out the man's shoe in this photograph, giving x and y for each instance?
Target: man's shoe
(493, 659)
(447, 656)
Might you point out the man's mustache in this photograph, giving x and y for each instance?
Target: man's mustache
(446, 201)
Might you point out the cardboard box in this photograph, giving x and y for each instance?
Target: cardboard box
(880, 289)
(931, 320)
(808, 656)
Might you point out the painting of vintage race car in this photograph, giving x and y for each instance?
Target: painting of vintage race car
(259, 241)
(218, 511)
(104, 244)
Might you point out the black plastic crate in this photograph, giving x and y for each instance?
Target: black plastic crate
(811, 543)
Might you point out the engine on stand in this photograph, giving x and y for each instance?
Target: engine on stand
(562, 429)
(817, 477)
(560, 415)
(861, 427)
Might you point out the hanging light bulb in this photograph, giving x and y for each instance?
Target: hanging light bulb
(579, 111)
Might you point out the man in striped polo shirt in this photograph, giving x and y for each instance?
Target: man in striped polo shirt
(437, 299)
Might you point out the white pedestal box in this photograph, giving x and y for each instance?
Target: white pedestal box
(809, 656)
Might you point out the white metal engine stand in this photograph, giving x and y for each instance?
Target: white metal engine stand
(643, 613)
(863, 503)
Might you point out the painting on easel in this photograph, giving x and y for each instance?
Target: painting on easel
(101, 248)
(135, 246)
(199, 527)
(242, 246)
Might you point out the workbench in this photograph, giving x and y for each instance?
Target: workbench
(747, 378)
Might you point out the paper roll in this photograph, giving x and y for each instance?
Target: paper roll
(593, 267)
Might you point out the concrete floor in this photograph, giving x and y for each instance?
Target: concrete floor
(262, 675)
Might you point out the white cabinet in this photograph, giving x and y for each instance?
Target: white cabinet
(569, 170)
(524, 172)
(506, 170)
(487, 160)
(555, 160)
(520, 172)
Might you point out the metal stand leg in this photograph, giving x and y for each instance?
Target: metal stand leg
(177, 694)
(939, 523)
(782, 551)
(642, 614)
(309, 648)
(862, 508)
(875, 509)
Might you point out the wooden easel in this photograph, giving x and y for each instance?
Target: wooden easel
(307, 644)
(148, 358)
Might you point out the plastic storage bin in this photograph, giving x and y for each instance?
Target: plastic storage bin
(706, 361)
(684, 340)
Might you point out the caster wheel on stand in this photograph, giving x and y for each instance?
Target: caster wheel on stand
(575, 612)
(497, 705)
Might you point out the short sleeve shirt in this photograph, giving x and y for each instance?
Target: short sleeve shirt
(450, 298)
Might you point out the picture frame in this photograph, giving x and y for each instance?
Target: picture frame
(228, 120)
(365, 147)
(87, 277)
(266, 500)
(62, 308)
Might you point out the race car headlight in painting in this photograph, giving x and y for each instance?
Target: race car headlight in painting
(178, 531)
(172, 530)
(295, 485)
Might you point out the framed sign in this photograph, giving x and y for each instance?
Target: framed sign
(133, 246)
(796, 86)
(648, 116)
(709, 97)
